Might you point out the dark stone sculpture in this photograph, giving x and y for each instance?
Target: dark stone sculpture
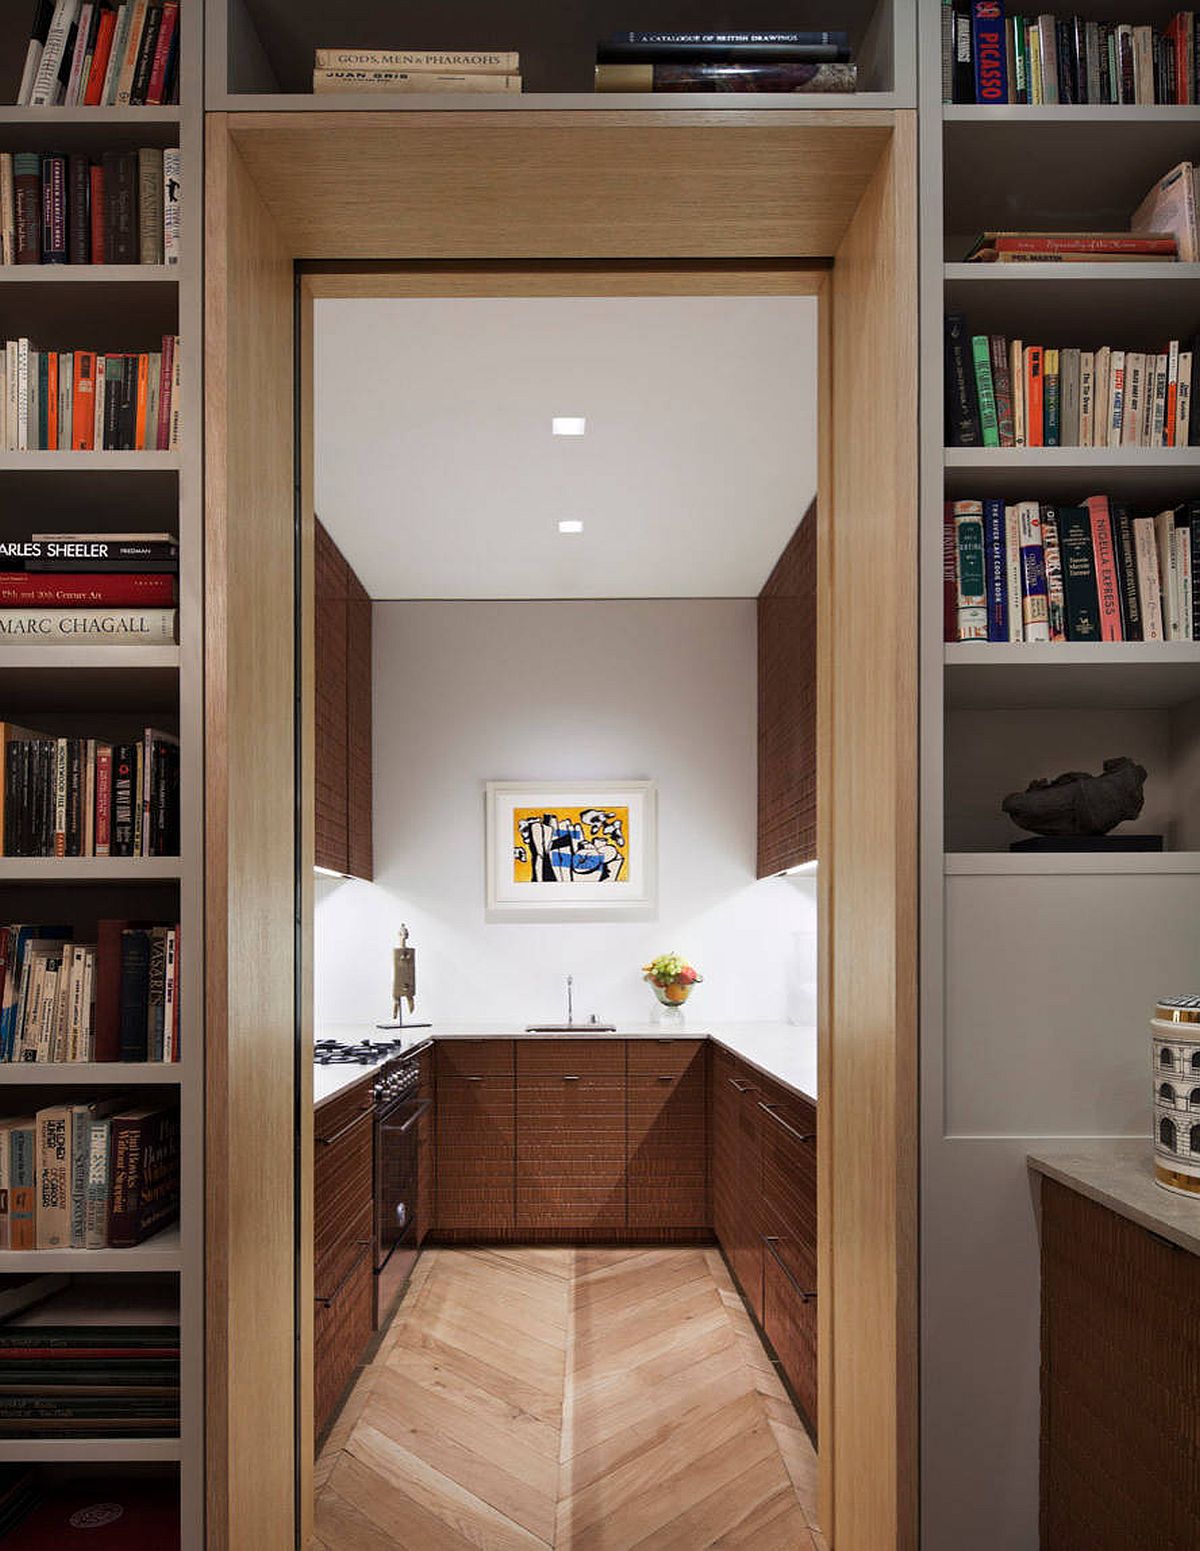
(1079, 804)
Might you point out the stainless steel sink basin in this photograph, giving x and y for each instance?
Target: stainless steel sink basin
(570, 1028)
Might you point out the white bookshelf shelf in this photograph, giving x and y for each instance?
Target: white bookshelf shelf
(1086, 461)
(1030, 277)
(59, 276)
(87, 462)
(1068, 474)
(120, 1074)
(87, 659)
(89, 117)
(89, 869)
(160, 1253)
(100, 1451)
(1015, 113)
(1012, 864)
(1078, 675)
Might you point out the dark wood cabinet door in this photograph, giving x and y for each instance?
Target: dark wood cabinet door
(724, 1103)
(330, 764)
(342, 1327)
(747, 1256)
(475, 1151)
(570, 1153)
(789, 1320)
(360, 860)
(788, 1129)
(668, 1136)
(426, 1148)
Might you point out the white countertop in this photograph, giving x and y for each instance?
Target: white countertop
(786, 1052)
(1119, 1173)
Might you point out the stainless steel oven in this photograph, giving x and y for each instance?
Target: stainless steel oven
(398, 1111)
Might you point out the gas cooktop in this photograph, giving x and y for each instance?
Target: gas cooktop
(367, 1052)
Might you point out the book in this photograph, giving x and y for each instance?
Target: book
(1034, 396)
(21, 1134)
(1108, 590)
(1079, 574)
(53, 1199)
(1145, 548)
(1051, 406)
(1127, 577)
(39, 32)
(981, 355)
(1170, 207)
(1056, 607)
(615, 52)
(1158, 244)
(962, 404)
(172, 208)
(103, 589)
(668, 76)
(441, 61)
(1012, 561)
(949, 575)
(144, 1195)
(1035, 616)
(91, 552)
(731, 39)
(75, 627)
(989, 51)
(370, 80)
(1002, 391)
(150, 205)
(995, 570)
(135, 994)
(46, 88)
(972, 603)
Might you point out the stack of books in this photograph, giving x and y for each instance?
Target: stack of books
(81, 1358)
(1028, 571)
(1029, 247)
(103, 1174)
(115, 999)
(988, 57)
(89, 796)
(120, 209)
(87, 589)
(1006, 393)
(416, 70)
(82, 401)
(102, 54)
(725, 62)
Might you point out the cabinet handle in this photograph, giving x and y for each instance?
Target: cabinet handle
(424, 1105)
(472, 1079)
(569, 1079)
(325, 1302)
(328, 1141)
(800, 1136)
(664, 1079)
(742, 1087)
(770, 1240)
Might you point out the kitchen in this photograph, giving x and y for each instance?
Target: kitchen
(517, 1138)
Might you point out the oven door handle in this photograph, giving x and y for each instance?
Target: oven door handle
(424, 1105)
(328, 1141)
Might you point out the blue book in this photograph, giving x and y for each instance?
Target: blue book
(989, 51)
(995, 570)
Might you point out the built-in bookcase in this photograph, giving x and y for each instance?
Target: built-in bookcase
(112, 687)
(261, 51)
(1038, 970)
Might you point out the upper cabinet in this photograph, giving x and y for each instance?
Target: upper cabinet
(787, 706)
(342, 713)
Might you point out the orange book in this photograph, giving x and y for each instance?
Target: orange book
(143, 399)
(83, 405)
(51, 400)
(1033, 396)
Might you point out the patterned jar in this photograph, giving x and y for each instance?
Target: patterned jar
(1176, 1037)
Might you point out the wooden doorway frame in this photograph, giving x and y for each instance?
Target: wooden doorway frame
(277, 197)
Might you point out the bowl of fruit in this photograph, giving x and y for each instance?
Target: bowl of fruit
(671, 978)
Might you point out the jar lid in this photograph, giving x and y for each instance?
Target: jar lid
(1179, 1009)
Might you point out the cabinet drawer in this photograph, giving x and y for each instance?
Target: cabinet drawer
(570, 1153)
(664, 1057)
(343, 1185)
(342, 1328)
(475, 1149)
(570, 1057)
(789, 1174)
(334, 1116)
(789, 1318)
(475, 1058)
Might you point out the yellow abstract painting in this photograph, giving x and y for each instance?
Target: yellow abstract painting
(587, 844)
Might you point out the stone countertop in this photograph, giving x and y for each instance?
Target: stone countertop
(1119, 1173)
(786, 1052)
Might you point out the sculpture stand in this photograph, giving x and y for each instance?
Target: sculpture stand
(1086, 843)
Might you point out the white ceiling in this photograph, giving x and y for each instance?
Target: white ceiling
(438, 477)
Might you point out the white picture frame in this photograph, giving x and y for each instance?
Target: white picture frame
(590, 850)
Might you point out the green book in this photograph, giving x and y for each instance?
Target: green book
(981, 351)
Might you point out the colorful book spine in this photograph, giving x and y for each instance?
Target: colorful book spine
(981, 356)
(1056, 606)
(1107, 585)
(970, 574)
(1035, 614)
(1002, 390)
(989, 51)
(995, 570)
(1079, 574)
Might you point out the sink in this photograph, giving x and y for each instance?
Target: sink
(570, 1028)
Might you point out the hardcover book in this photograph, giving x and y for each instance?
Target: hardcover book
(145, 1174)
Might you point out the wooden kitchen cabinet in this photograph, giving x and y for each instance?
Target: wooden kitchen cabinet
(341, 713)
(426, 1146)
(343, 1237)
(475, 1139)
(570, 1163)
(737, 1172)
(667, 1158)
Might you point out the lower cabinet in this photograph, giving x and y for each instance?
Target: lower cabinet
(342, 1328)
(667, 1145)
(426, 1148)
(570, 1174)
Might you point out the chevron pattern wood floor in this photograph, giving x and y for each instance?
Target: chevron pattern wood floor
(584, 1399)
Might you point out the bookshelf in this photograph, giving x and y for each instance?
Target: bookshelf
(261, 52)
(119, 308)
(1037, 970)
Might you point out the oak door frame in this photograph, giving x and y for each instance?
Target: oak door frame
(867, 884)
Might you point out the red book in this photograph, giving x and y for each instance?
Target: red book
(95, 80)
(105, 1514)
(96, 212)
(949, 574)
(166, 376)
(1108, 587)
(106, 1045)
(103, 835)
(1100, 242)
(143, 399)
(162, 54)
(83, 402)
(52, 401)
(1033, 396)
(93, 589)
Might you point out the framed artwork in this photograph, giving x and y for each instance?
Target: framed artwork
(565, 850)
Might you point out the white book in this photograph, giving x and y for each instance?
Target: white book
(66, 380)
(1183, 574)
(76, 1034)
(60, 1042)
(8, 210)
(1116, 397)
(1183, 399)
(3, 401)
(1145, 549)
(89, 1006)
(1035, 612)
(33, 61)
(46, 86)
(1012, 569)
(116, 54)
(1016, 375)
(1146, 419)
(1135, 387)
(172, 206)
(1158, 408)
(23, 438)
(176, 399)
(12, 389)
(1102, 402)
(47, 1021)
(133, 38)
(171, 996)
(1168, 571)
(82, 33)
(1087, 396)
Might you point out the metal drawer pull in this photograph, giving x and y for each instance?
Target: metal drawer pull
(770, 1240)
(665, 1079)
(472, 1079)
(328, 1141)
(411, 1121)
(325, 1302)
(569, 1079)
(742, 1087)
(800, 1136)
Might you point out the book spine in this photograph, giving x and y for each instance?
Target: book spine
(104, 775)
(27, 193)
(129, 57)
(1183, 565)
(1116, 398)
(58, 589)
(962, 407)
(499, 62)
(1002, 390)
(1079, 574)
(995, 570)
(1145, 548)
(1034, 397)
(1127, 579)
(79, 248)
(972, 588)
(150, 205)
(46, 85)
(53, 1211)
(156, 89)
(135, 994)
(989, 52)
(33, 54)
(144, 63)
(1107, 586)
(22, 1189)
(949, 575)
(96, 1207)
(83, 36)
(80, 1157)
(790, 77)
(172, 210)
(985, 395)
(98, 69)
(170, 1050)
(1056, 607)
(100, 627)
(1051, 397)
(1016, 377)
(162, 429)
(1034, 606)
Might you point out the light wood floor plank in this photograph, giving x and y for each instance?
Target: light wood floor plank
(589, 1399)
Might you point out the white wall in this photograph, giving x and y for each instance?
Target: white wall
(467, 692)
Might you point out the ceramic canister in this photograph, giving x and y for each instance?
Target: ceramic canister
(1176, 1038)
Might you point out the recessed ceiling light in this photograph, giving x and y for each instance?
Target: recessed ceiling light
(570, 526)
(568, 425)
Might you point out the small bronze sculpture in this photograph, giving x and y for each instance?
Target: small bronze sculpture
(404, 984)
(1078, 803)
